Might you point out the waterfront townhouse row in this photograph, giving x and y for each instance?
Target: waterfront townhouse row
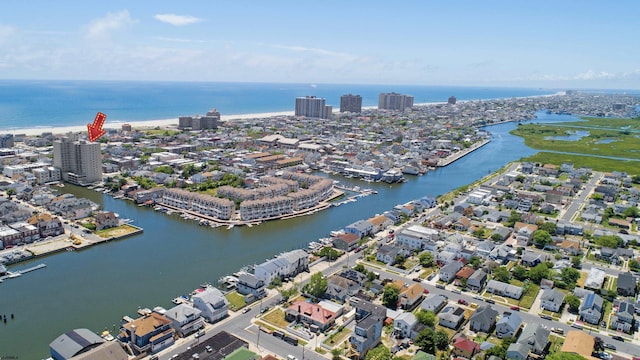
(203, 204)
(240, 194)
(35, 228)
(287, 264)
(283, 205)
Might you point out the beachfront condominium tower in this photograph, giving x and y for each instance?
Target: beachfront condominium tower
(351, 103)
(197, 122)
(80, 162)
(394, 101)
(312, 107)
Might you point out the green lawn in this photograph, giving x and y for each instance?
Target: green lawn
(556, 343)
(578, 161)
(117, 231)
(527, 298)
(338, 337)
(236, 301)
(275, 318)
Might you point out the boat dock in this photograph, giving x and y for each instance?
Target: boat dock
(15, 274)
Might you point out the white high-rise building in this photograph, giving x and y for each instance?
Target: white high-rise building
(313, 107)
(80, 162)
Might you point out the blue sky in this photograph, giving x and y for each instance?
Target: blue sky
(550, 44)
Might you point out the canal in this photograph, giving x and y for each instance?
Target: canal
(95, 287)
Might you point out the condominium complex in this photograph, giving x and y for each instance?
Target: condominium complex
(351, 103)
(313, 107)
(80, 162)
(394, 101)
(6, 141)
(197, 122)
(200, 203)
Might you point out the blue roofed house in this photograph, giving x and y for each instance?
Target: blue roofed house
(212, 303)
(483, 319)
(185, 319)
(591, 309)
(508, 325)
(361, 228)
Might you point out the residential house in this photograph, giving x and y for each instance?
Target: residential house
(185, 319)
(47, 225)
(534, 339)
(533, 258)
(340, 288)
(484, 248)
(288, 264)
(627, 284)
(462, 224)
(433, 302)
(477, 280)
(105, 220)
(416, 236)
(501, 233)
(250, 286)
(524, 232)
(462, 276)
(403, 324)
(448, 272)
(409, 297)
(508, 325)
(388, 253)
(346, 241)
(368, 329)
(504, 289)
(483, 319)
(451, 317)
(379, 222)
(212, 303)
(624, 319)
(73, 343)
(595, 279)
(465, 348)
(591, 309)
(361, 228)
(148, 334)
(311, 314)
(552, 300)
(503, 253)
(28, 233)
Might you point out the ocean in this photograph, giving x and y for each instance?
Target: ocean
(48, 103)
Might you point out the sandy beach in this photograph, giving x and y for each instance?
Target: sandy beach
(142, 124)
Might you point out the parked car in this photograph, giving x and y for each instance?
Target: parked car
(557, 330)
(490, 301)
(208, 348)
(610, 347)
(617, 337)
(440, 286)
(425, 291)
(246, 310)
(515, 308)
(456, 291)
(417, 279)
(463, 302)
(546, 317)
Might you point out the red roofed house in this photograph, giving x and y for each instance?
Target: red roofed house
(465, 348)
(464, 273)
(312, 314)
(346, 241)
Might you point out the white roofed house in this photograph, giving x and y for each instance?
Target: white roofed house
(249, 284)
(416, 236)
(185, 319)
(361, 228)
(504, 289)
(404, 323)
(212, 303)
(288, 264)
(595, 279)
(28, 232)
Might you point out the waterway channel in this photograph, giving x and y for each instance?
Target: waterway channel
(95, 287)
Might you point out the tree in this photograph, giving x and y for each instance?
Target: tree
(519, 272)
(634, 265)
(399, 260)
(426, 317)
(479, 233)
(335, 354)
(573, 302)
(576, 262)
(390, 296)
(496, 237)
(426, 341)
(541, 238)
(380, 352)
(611, 241)
(10, 192)
(549, 227)
(441, 339)
(359, 268)
(513, 218)
(501, 274)
(539, 272)
(501, 350)
(317, 285)
(570, 276)
(475, 262)
(426, 259)
(632, 212)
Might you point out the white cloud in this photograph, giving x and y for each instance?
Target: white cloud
(592, 75)
(178, 40)
(311, 50)
(6, 32)
(103, 26)
(177, 20)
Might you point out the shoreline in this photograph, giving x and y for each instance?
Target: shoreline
(173, 122)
